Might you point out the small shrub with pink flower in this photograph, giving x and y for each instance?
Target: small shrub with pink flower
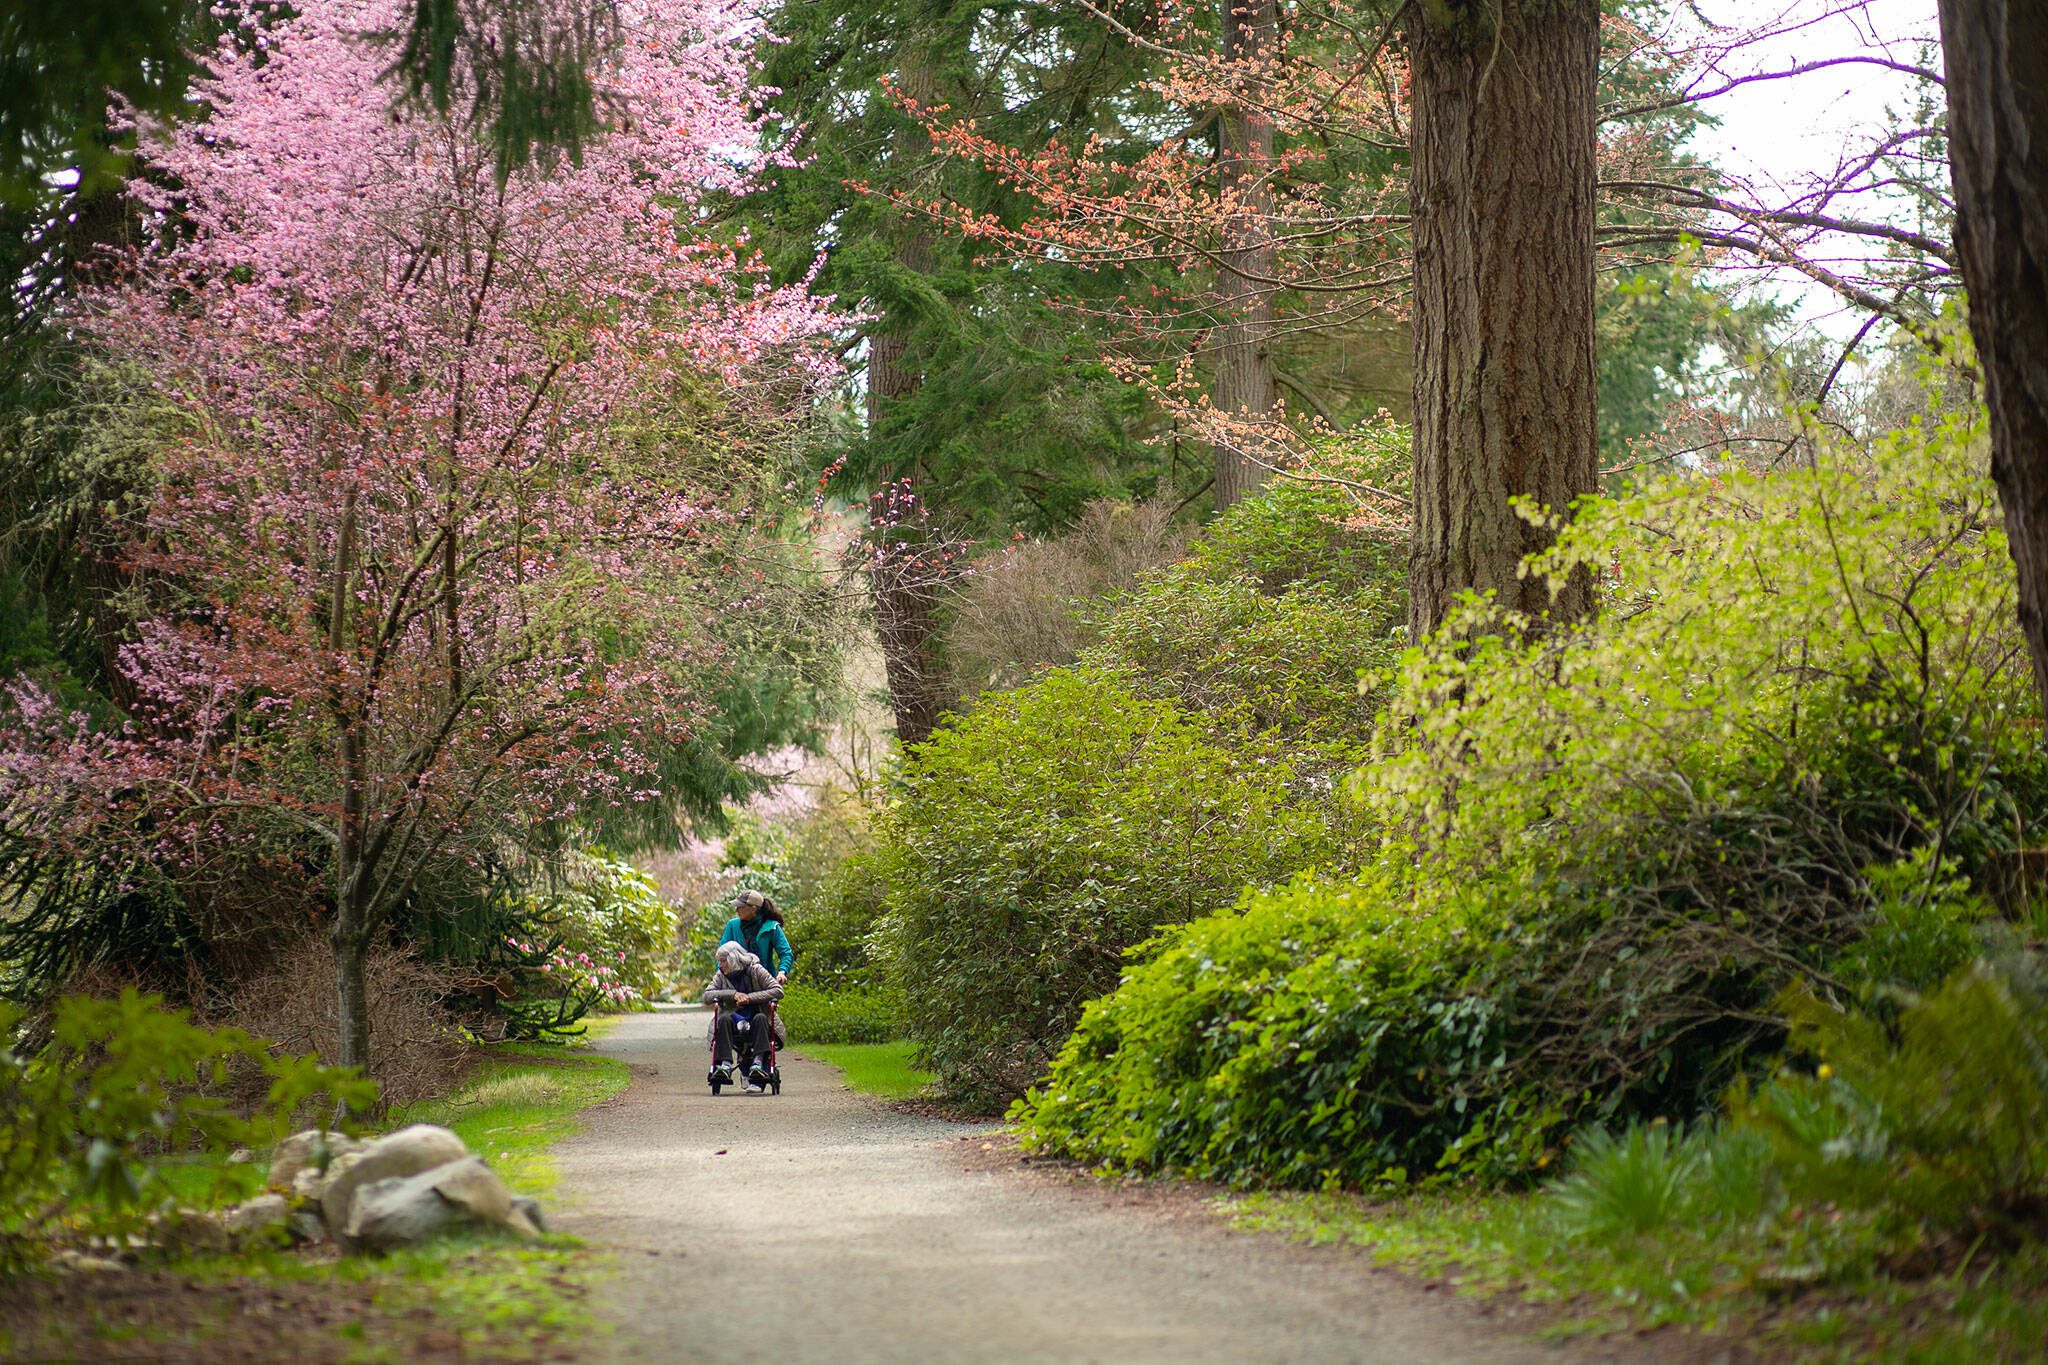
(603, 932)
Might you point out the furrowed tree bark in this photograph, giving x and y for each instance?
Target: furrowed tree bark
(906, 617)
(1245, 386)
(1503, 188)
(1996, 56)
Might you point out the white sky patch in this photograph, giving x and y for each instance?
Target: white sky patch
(1782, 136)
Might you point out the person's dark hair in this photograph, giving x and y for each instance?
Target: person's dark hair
(767, 910)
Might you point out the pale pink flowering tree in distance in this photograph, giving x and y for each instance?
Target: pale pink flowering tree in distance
(450, 455)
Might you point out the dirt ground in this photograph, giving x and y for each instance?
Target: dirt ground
(816, 1225)
(172, 1319)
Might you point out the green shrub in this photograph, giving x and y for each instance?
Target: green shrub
(1296, 533)
(1937, 1121)
(609, 920)
(850, 1014)
(1850, 626)
(1265, 630)
(1039, 836)
(1248, 663)
(1609, 848)
(1920, 929)
(835, 931)
(1329, 1034)
(95, 1120)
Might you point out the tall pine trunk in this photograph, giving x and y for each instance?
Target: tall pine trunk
(1503, 143)
(906, 592)
(1245, 386)
(1996, 56)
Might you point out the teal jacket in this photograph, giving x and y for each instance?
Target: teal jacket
(770, 944)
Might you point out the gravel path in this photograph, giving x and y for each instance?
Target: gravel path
(887, 1237)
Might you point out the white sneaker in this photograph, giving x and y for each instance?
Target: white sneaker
(754, 1087)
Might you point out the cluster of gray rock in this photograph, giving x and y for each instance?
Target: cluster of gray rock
(398, 1190)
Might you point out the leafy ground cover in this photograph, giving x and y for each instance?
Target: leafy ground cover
(462, 1298)
(881, 1069)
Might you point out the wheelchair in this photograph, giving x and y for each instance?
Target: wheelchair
(744, 1051)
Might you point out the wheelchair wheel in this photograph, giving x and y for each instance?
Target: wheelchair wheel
(775, 1081)
(715, 1087)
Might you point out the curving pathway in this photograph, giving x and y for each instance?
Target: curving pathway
(819, 1227)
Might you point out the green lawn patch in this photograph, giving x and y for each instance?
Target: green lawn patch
(880, 1069)
(514, 1107)
(1820, 1296)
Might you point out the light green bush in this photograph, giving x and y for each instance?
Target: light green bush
(1607, 849)
(1039, 836)
(95, 1119)
(1296, 533)
(1248, 663)
(1759, 632)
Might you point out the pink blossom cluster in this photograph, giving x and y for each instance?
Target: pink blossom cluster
(579, 977)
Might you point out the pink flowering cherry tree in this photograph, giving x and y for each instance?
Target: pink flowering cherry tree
(452, 452)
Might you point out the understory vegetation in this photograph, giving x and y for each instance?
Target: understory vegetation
(151, 1152)
(1603, 853)
(1718, 910)
(1881, 1194)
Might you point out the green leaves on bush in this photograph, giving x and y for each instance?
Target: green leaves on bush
(1297, 533)
(1849, 625)
(1329, 1034)
(1781, 753)
(1043, 834)
(836, 929)
(1247, 664)
(1937, 1120)
(603, 911)
(1921, 926)
(850, 1014)
(93, 1121)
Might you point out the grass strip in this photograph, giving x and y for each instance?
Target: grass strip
(883, 1070)
(527, 1097)
(1823, 1296)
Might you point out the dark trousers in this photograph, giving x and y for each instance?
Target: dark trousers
(733, 1038)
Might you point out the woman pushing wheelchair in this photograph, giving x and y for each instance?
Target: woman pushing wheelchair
(758, 928)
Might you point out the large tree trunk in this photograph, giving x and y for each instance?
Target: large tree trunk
(906, 593)
(1245, 388)
(906, 621)
(1503, 143)
(1996, 55)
